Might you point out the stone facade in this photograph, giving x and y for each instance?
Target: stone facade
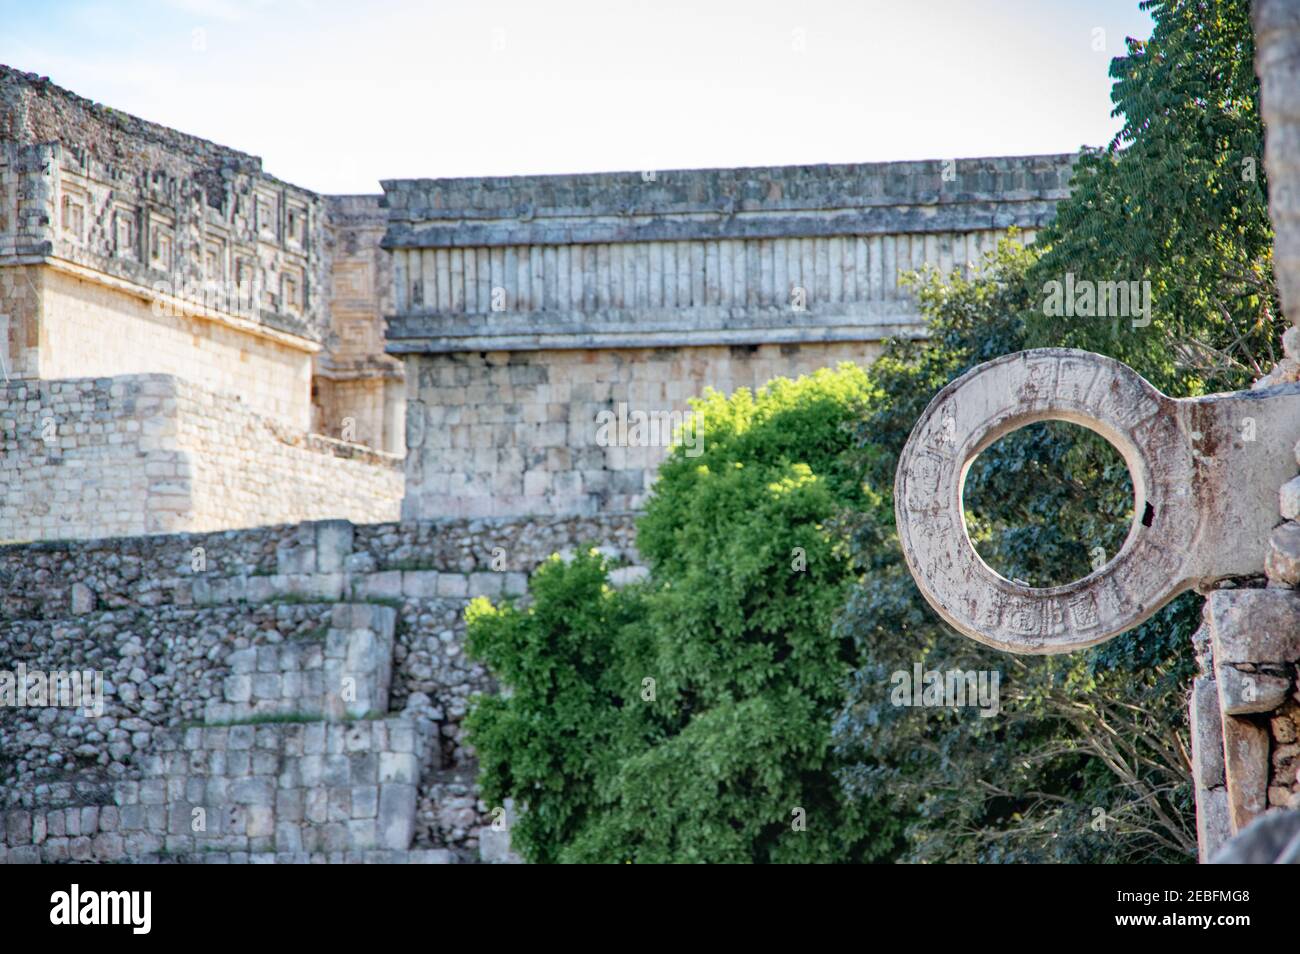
(506, 433)
(526, 307)
(154, 453)
(129, 248)
(166, 226)
(190, 344)
(522, 310)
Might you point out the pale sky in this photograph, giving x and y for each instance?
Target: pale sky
(335, 96)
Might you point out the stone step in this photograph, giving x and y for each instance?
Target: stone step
(298, 760)
(345, 675)
(283, 787)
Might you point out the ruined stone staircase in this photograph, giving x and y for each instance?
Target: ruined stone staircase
(298, 762)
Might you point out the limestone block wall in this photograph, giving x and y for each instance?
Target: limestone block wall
(306, 680)
(250, 470)
(89, 457)
(154, 454)
(20, 319)
(507, 433)
(180, 624)
(90, 329)
(361, 407)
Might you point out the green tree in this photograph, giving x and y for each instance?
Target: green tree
(1178, 199)
(563, 725)
(688, 719)
(1086, 759)
(1089, 760)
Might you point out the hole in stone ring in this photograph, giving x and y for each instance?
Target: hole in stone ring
(1049, 503)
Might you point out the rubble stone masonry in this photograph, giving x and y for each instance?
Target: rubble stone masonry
(222, 655)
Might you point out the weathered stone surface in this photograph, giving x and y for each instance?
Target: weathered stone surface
(626, 575)
(431, 856)
(1277, 63)
(494, 839)
(1272, 838)
(494, 847)
(1244, 693)
(1289, 496)
(1245, 753)
(83, 599)
(396, 815)
(1185, 532)
(1213, 827)
(18, 826)
(1254, 625)
(1207, 733)
(1283, 561)
(695, 204)
(1291, 342)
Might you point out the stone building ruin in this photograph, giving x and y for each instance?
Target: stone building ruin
(213, 507)
(526, 306)
(183, 337)
(212, 520)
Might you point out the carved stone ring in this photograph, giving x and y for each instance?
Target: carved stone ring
(1200, 469)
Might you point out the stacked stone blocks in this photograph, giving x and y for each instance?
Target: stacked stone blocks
(150, 453)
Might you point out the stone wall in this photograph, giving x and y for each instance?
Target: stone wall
(693, 257)
(1244, 713)
(146, 204)
(90, 329)
(1245, 705)
(183, 239)
(156, 454)
(338, 785)
(525, 307)
(208, 644)
(506, 433)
